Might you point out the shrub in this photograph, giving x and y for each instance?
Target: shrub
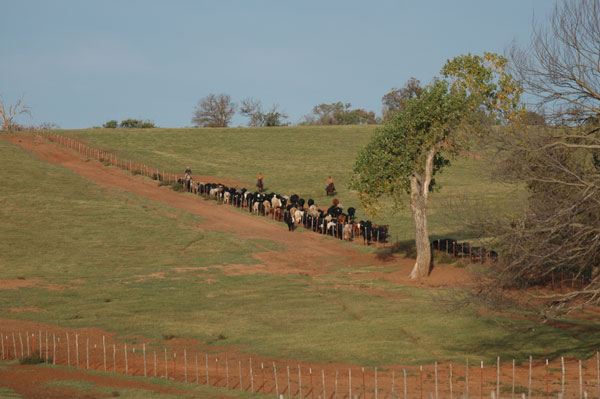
(177, 187)
(136, 123)
(34, 358)
(112, 124)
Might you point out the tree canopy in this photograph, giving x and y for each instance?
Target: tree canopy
(214, 110)
(339, 113)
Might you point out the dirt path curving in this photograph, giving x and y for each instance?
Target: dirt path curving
(303, 251)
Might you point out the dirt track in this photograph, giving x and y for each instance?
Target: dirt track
(304, 251)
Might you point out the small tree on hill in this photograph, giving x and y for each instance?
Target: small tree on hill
(112, 124)
(339, 114)
(253, 109)
(9, 112)
(404, 155)
(214, 110)
(394, 100)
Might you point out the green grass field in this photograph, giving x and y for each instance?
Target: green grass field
(299, 159)
(104, 247)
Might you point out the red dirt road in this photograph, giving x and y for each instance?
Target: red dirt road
(305, 251)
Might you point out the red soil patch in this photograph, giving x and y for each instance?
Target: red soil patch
(21, 283)
(16, 284)
(19, 310)
(30, 382)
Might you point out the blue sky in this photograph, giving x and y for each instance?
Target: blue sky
(80, 63)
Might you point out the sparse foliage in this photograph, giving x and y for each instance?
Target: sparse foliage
(560, 66)
(214, 110)
(258, 117)
(394, 100)
(9, 112)
(558, 234)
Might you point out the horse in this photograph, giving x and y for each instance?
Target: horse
(330, 189)
(260, 185)
(188, 182)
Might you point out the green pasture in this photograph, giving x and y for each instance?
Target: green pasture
(299, 159)
(117, 260)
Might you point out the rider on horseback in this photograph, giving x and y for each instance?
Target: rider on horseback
(259, 181)
(188, 171)
(330, 188)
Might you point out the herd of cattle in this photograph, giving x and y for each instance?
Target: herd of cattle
(293, 211)
(463, 250)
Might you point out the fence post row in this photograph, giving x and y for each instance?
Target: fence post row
(426, 381)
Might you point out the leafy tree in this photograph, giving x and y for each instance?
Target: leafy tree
(112, 124)
(9, 112)
(253, 109)
(214, 110)
(339, 114)
(136, 123)
(404, 155)
(394, 100)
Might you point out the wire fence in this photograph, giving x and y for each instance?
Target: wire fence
(536, 378)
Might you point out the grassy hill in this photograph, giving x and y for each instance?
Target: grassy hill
(110, 259)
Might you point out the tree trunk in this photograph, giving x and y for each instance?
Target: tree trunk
(423, 263)
(419, 187)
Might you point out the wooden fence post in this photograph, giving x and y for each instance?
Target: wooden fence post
(498, 377)
(104, 351)
(251, 377)
(375, 383)
(207, 379)
(68, 351)
(467, 380)
(276, 381)
(562, 362)
(240, 374)
(350, 383)
(226, 372)
(451, 390)
(288, 382)
(436, 380)
(144, 354)
(421, 382)
(21, 341)
(166, 365)
(513, 380)
(529, 386)
(126, 364)
(580, 382)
